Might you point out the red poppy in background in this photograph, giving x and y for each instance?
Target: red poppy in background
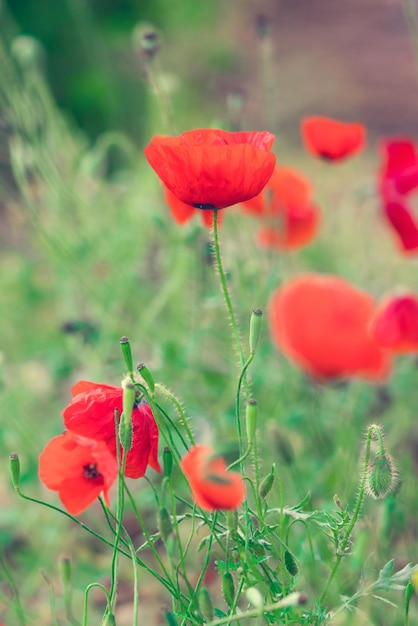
(290, 218)
(80, 469)
(397, 180)
(213, 487)
(395, 325)
(322, 324)
(183, 213)
(330, 139)
(91, 414)
(213, 169)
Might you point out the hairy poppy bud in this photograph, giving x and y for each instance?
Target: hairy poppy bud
(164, 523)
(15, 469)
(251, 415)
(382, 476)
(290, 563)
(205, 604)
(256, 323)
(147, 376)
(125, 347)
(228, 588)
(267, 483)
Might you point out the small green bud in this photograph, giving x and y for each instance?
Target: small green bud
(171, 619)
(290, 563)
(125, 346)
(251, 415)
(164, 523)
(147, 376)
(267, 483)
(382, 476)
(125, 432)
(65, 568)
(256, 323)
(109, 620)
(228, 588)
(205, 604)
(167, 461)
(15, 469)
(254, 597)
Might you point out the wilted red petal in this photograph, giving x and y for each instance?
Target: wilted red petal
(212, 168)
(331, 139)
(321, 322)
(403, 223)
(80, 469)
(395, 325)
(213, 487)
(91, 413)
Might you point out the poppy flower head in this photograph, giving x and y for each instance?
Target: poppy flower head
(91, 413)
(212, 486)
(79, 469)
(331, 139)
(402, 221)
(213, 169)
(321, 323)
(290, 219)
(399, 169)
(395, 325)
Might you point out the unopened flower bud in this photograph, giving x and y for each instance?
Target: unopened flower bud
(267, 483)
(167, 461)
(251, 414)
(254, 597)
(205, 604)
(290, 563)
(125, 347)
(382, 476)
(15, 469)
(65, 568)
(228, 588)
(109, 620)
(147, 376)
(256, 323)
(171, 619)
(164, 523)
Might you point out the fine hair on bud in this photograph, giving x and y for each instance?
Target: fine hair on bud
(382, 476)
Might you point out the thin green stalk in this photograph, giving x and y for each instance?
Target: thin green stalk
(293, 599)
(14, 589)
(86, 599)
(170, 396)
(360, 497)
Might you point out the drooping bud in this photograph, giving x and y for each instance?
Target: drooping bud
(267, 483)
(125, 347)
(147, 376)
(167, 461)
(382, 476)
(15, 470)
(205, 604)
(251, 414)
(164, 523)
(290, 563)
(228, 588)
(256, 323)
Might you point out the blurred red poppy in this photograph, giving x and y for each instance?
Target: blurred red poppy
(330, 139)
(395, 325)
(322, 324)
(183, 213)
(290, 218)
(80, 469)
(213, 169)
(402, 221)
(213, 487)
(91, 414)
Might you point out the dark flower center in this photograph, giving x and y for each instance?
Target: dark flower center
(90, 471)
(204, 207)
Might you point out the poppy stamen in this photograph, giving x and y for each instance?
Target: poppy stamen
(90, 471)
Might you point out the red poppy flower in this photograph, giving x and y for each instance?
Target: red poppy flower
(290, 219)
(213, 487)
(182, 212)
(213, 169)
(80, 469)
(330, 139)
(91, 414)
(398, 178)
(395, 325)
(322, 323)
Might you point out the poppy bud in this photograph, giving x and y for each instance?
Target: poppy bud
(125, 346)
(256, 323)
(254, 597)
(205, 604)
(251, 415)
(382, 476)
(15, 469)
(267, 483)
(171, 619)
(147, 376)
(290, 563)
(65, 567)
(164, 523)
(228, 588)
(109, 620)
(167, 461)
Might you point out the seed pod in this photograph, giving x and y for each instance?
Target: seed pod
(290, 563)
(147, 376)
(15, 469)
(125, 346)
(256, 323)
